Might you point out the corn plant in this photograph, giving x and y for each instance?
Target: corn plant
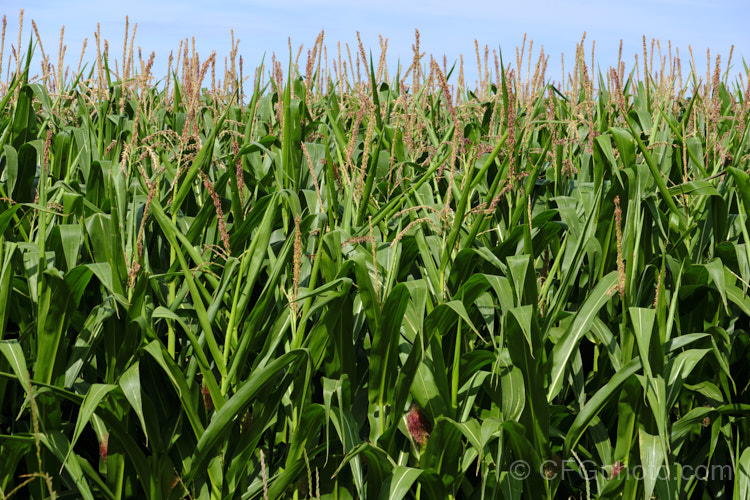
(340, 282)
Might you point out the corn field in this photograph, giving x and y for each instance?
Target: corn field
(332, 278)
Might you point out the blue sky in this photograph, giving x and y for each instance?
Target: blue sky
(446, 27)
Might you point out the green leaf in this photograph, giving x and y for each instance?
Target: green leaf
(384, 353)
(7, 251)
(471, 430)
(12, 351)
(523, 315)
(399, 482)
(584, 318)
(172, 235)
(513, 392)
(742, 477)
(716, 271)
(695, 188)
(130, 383)
(200, 356)
(201, 160)
(643, 324)
(652, 460)
(367, 292)
(90, 403)
(71, 238)
(58, 444)
(742, 179)
(25, 126)
(595, 404)
(157, 351)
(7, 216)
(219, 426)
(54, 304)
(657, 176)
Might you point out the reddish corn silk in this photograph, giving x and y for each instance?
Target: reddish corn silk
(617, 468)
(418, 425)
(208, 402)
(103, 445)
